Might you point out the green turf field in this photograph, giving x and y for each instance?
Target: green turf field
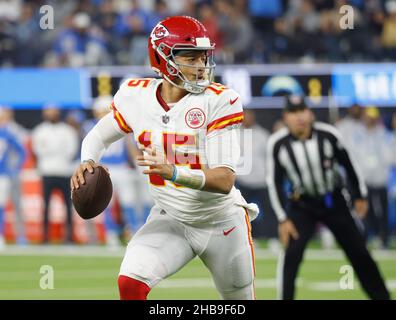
(91, 273)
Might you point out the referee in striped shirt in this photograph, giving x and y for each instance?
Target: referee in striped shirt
(305, 158)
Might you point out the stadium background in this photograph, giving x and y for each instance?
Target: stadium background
(264, 49)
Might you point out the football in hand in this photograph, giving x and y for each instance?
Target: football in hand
(93, 197)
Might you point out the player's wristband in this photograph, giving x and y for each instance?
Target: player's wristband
(174, 173)
(190, 178)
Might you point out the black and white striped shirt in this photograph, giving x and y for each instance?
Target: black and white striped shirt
(311, 166)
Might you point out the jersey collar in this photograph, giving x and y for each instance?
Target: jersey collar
(160, 100)
(163, 103)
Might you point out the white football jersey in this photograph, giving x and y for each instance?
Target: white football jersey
(184, 133)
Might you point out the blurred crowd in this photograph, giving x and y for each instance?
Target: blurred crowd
(114, 32)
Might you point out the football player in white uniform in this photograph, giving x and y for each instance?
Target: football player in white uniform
(187, 127)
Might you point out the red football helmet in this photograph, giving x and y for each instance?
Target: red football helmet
(180, 33)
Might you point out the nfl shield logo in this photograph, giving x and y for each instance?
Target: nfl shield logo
(165, 119)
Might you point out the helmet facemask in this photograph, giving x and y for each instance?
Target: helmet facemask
(174, 68)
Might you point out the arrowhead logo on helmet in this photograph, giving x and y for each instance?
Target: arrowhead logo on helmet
(159, 32)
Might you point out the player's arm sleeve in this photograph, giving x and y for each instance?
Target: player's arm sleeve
(101, 136)
(275, 179)
(223, 132)
(346, 159)
(109, 129)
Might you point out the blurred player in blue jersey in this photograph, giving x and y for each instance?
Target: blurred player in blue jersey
(9, 170)
(7, 120)
(125, 180)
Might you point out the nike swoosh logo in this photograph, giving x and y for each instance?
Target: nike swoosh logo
(233, 101)
(227, 232)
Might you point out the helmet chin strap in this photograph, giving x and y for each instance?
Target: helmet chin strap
(198, 88)
(188, 86)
